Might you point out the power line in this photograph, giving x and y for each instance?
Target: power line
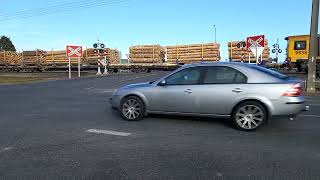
(72, 6)
(59, 9)
(56, 6)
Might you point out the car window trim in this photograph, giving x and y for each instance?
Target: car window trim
(199, 81)
(223, 83)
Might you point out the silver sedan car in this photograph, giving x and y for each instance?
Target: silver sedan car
(247, 94)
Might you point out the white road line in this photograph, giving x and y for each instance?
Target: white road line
(115, 133)
(30, 115)
(6, 149)
(313, 104)
(101, 90)
(109, 91)
(305, 115)
(137, 77)
(312, 100)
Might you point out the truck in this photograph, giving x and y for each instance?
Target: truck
(298, 52)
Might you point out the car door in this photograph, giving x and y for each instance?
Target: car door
(177, 93)
(220, 88)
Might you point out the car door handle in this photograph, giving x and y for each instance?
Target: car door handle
(237, 90)
(189, 91)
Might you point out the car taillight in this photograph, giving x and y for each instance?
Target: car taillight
(294, 91)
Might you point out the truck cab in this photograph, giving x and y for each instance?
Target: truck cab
(298, 51)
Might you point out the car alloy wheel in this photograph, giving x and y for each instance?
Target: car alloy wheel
(249, 116)
(132, 109)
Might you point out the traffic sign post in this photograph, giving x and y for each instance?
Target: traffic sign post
(256, 45)
(69, 67)
(249, 53)
(74, 52)
(79, 68)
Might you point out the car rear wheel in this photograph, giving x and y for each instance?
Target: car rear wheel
(249, 116)
(132, 108)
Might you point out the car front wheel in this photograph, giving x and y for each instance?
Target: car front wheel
(249, 116)
(132, 108)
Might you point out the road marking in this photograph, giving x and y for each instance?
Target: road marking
(115, 133)
(30, 115)
(306, 115)
(312, 100)
(109, 91)
(6, 149)
(314, 104)
(137, 77)
(219, 174)
(98, 90)
(101, 90)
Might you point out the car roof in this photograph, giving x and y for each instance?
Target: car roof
(239, 64)
(254, 74)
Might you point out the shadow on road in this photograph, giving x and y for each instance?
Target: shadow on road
(190, 119)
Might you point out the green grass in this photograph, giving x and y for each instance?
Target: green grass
(19, 80)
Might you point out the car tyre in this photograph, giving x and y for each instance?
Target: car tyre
(249, 116)
(132, 108)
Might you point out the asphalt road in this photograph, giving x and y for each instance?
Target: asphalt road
(44, 135)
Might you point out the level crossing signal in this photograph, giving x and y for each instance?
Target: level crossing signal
(99, 48)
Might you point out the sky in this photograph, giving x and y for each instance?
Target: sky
(123, 23)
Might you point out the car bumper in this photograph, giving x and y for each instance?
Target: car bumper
(114, 101)
(289, 106)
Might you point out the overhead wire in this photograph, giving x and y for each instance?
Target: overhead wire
(56, 6)
(72, 6)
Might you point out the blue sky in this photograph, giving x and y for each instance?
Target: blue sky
(163, 22)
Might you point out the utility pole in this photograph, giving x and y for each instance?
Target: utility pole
(311, 86)
(215, 33)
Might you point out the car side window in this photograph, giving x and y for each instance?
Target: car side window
(224, 75)
(189, 76)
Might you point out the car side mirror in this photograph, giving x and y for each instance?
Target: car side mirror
(162, 83)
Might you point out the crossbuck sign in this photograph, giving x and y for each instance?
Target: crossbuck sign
(255, 41)
(74, 51)
(256, 45)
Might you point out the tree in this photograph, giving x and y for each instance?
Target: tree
(6, 44)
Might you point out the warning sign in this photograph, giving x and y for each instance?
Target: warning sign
(256, 44)
(74, 51)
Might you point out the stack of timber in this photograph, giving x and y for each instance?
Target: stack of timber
(113, 55)
(147, 54)
(10, 58)
(242, 54)
(2, 59)
(33, 58)
(91, 58)
(193, 53)
(58, 58)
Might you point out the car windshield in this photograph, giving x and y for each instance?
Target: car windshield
(269, 72)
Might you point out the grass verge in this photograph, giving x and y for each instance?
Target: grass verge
(19, 79)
